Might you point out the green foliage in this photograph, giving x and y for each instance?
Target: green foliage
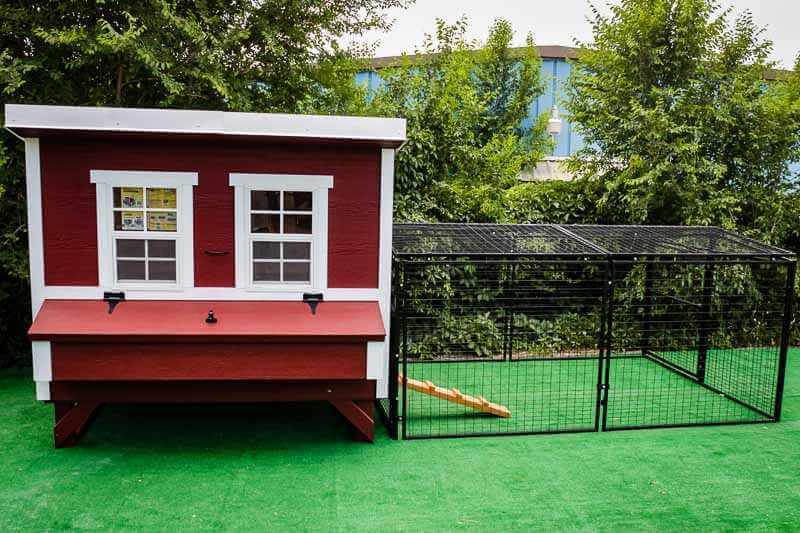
(241, 55)
(551, 202)
(680, 126)
(464, 108)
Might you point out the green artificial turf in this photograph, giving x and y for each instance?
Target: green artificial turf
(561, 394)
(290, 468)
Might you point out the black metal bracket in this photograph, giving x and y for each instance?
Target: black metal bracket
(211, 319)
(113, 298)
(312, 299)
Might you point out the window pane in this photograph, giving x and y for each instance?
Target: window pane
(129, 221)
(161, 248)
(162, 270)
(297, 224)
(297, 201)
(266, 271)
(162, 221)
(265, 201)
(128, 197)
(297, 250)
(130, 270)
(161, 199)
(296, 271)
(266, 250)
(265, 223)
(130, 248)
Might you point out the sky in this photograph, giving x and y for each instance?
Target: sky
(561, 21)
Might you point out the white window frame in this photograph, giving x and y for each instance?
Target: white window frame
(318, 185)
(183, 182)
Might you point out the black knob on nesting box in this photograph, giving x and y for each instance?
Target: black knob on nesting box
(211, 319)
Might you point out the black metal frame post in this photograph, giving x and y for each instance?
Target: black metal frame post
(788, 301)
(394, 350)
(706, 320)
(403, 356)
(608, 340)
(508, 344)
(601, 351)
(649, 303)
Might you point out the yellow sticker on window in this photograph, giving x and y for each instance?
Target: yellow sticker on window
(132, 221)
(161, 199)
(167, 221)
(131, 197)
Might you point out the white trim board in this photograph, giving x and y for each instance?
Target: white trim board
(142, 178)
(385, 262)
(33, 186)
(115, 119)
(60, 292)
(42, 368)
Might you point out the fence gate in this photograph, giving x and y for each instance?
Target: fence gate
(581, 335)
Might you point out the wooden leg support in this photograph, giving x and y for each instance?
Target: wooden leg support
(360, 416)
(72, 421)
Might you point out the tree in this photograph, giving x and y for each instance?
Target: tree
(680, 125)
(242, 55)
(464, 104)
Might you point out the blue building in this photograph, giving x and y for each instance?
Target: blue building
(555, 73)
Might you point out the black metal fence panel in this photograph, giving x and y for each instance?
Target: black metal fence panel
(585, 340)
(695, 343)
(520, 335)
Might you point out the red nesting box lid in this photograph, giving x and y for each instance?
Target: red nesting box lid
(182, 320)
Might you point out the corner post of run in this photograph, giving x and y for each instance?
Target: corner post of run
(403, 355)
(705, 324)
(394, 349)
(788, 301)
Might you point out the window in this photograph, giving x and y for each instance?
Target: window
(281, 231)
(144, 229)
(145, 233)
(281, 224)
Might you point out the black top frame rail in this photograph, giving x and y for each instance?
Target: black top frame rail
(560, 241)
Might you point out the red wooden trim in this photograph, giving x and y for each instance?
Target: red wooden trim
(211, 391)
(360, 416)
(72, 421)
(211, 361)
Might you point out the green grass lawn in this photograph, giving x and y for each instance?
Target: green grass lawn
(293, 468)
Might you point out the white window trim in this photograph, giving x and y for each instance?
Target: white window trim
(106, 180)
(317, 184)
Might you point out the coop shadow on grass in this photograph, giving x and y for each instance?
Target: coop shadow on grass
(187, 428)
(586, 328)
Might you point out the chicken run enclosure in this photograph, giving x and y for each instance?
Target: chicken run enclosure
(518, 329)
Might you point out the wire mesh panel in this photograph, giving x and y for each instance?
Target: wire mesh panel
(505, 329)
(695, 342)
(500, 346)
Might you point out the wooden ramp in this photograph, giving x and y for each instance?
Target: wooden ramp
(456, 396)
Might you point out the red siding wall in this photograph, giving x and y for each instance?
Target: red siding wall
(69, 212)
(213, 361)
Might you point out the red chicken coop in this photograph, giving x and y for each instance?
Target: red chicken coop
(206, 256)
